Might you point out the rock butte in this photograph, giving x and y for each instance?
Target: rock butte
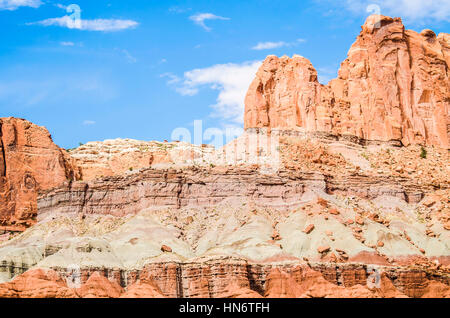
(393, 87)
(357, 207)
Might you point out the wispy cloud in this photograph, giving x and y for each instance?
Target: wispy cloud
(172, 78)
(61, 6)
(200, 19)
(130, 58)
(177, 9)
(104, 25)
(68, 43)
(89, 122)
(231, 80)
(15, 4)
(417, 11)
(275, 45)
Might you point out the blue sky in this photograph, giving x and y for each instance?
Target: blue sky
(140, 69)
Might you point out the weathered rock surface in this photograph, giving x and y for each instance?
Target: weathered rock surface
(394, 86)
(121, 156)
(29, 162)
(234, 278)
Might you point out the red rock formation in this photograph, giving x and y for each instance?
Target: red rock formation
(394, 86)
(227, 278)
(304, 282)
(142, 290)
(236, 291)
(98, 286)
(37, 283)
(29, 162)
(435, 289)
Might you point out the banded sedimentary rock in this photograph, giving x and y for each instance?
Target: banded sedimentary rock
(207, 187)
(234, 278)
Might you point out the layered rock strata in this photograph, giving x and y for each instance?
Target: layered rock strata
(232, 278)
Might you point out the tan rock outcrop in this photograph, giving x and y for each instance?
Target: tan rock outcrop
(121, 156)
(394, 86)
(29, 162)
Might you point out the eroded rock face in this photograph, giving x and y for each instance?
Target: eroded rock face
(394, 86)
(29, 162)
(230, 278)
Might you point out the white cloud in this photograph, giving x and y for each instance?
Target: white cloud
(268, 45)
(89, 122)
(231, 80)
(15, 4)
(105, 25)
(61, 6)
(414, 10)
(200, 19)
(275, 45)
(68, 43)
(173, 79)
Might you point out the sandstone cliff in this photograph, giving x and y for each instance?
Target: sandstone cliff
(393, 87)
(29, 162)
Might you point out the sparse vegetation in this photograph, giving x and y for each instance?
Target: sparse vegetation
(423, 153)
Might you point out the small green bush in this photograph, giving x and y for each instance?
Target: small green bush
(423, 153)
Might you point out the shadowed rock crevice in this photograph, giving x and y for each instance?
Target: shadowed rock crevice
(2, 153)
